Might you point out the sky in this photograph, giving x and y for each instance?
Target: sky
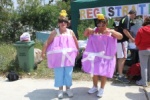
(15, 2)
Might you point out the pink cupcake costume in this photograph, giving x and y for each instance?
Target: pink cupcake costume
(62, 51)
(99, 55)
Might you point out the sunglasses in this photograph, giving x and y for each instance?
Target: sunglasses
(61, 21)
(101, 25)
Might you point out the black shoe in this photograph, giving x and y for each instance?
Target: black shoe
(116, 75)
(123, 79)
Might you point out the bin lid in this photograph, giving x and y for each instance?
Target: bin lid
(26, 44)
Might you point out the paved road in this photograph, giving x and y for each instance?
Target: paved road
(43, 89)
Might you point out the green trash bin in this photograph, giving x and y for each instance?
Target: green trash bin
(25, 54)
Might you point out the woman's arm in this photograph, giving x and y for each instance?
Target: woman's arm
(116, 34)
(75, 40)
(46, 44)
(127, 33)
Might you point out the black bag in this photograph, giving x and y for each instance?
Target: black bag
(12, 76)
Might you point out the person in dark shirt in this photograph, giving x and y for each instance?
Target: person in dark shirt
(122, 45)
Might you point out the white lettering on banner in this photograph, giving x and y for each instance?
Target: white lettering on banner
(115, 11)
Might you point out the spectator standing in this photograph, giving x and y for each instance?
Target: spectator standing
(142, 42)
(122, 45)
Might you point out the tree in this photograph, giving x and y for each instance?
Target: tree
(40, 17)
(30, 13)
(6, 8)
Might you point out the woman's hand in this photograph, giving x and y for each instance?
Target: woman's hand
(108, 31)
(116, 34)
(88, 32)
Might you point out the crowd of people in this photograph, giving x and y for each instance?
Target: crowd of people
(106, 48)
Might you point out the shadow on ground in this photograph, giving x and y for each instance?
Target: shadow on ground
(137, 96)
(115, 82)
(80, 93)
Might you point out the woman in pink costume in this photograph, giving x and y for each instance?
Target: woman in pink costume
(61, 49)
(99, 55)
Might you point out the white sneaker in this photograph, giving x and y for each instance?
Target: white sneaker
(60, 94)
(93, 90)
(69, 93)
(100, 92)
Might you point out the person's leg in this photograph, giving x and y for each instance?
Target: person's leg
(101, 90)
(120, 63)
(143, 55)
(68, 80)
(148, 70)
(103, 81)
(59, 77)
(120, 58)
(95, 81)
(68, 77)
(122, 55)
(59, 80)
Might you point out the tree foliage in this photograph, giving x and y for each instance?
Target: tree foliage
(6, 10)
(33, 14)
(30, 13)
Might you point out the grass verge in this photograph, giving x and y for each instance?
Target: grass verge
(8, 62)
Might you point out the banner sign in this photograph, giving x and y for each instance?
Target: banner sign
(115, 11)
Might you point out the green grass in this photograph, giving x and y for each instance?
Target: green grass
(7, 56)
(8, 62)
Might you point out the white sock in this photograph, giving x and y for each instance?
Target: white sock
(101, 89)
(95, 86)
(120, 75)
